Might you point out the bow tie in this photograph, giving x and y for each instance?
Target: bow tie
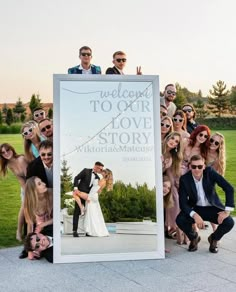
(96, 176)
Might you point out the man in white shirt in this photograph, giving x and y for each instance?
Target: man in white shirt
(199, 202)
(85, 55)
(168, 98)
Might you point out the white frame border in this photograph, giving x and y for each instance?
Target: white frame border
(160, 252)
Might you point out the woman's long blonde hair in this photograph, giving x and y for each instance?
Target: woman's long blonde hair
(168, 199)
(108, 176)
(221, 154)
(31, 201)
(27, 143)
(176, 154)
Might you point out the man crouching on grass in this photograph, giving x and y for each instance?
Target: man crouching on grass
(199, 201)
(40, 245)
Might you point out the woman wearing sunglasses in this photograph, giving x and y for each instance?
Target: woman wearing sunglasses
(166, 127)
(216, 153)
(9, 159)
(216, 157)
(197, 145)
(32, 139)
(38, 206)
(179, 123)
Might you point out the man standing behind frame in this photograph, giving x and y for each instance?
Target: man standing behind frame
(84, 182)
(199, 201)
(85, 55)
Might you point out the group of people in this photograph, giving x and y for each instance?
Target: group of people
(34, 171)
(193, 163)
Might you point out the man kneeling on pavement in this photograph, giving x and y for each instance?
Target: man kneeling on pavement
(199, 201)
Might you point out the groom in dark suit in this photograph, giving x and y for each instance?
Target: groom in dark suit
(199, 201)
(83, 182)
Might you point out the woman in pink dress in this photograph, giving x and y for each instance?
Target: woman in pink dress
(172, 156)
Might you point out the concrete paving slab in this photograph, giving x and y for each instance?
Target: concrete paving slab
(180, 271)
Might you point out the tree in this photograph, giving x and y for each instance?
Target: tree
(66, 178)
(180, 99)
(19, 107)
(9, 117)
(1, 119)
(233, 100)
(218, 98)
(22, 117)
(200, 110)
(35, 102)
(50, 113)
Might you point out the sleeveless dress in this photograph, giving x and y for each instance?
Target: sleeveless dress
(94, 224)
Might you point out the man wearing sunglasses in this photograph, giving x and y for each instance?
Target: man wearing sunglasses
(199, 201)
(39, 114)
(190, 113)
(46, 128)
(119, 61)
(168, 98)
(85, 67)
(41, 244)
(42, 166)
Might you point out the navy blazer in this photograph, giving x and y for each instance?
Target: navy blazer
(112, 70)
(36, 168)
(75, 70)
(188, 191)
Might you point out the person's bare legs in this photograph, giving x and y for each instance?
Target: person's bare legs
(81, 206)
(20, 223)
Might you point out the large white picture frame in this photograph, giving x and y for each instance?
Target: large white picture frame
(114, 119)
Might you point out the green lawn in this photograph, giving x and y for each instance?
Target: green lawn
(10, 188)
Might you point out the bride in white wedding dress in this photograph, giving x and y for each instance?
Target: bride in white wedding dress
(94, 224)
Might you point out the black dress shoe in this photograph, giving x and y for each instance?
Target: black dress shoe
(213, 245)
(193, 246)
(87, 234)
(75, 234)
(23, 254)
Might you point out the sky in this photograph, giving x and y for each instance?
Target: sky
(189, 42)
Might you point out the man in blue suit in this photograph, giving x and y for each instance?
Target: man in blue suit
(85, 55)
(199, 201)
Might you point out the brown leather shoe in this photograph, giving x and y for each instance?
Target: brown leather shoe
(213, 245)
(194, 244)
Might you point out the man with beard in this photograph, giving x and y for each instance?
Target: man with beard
(168, 98)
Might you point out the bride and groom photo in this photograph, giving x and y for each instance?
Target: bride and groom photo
(88, 185)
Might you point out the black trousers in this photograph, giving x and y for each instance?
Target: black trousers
(76, 214)
(184, 222)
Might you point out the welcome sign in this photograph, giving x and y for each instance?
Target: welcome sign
(114, 120)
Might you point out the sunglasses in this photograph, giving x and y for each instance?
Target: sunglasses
(39, 114)
(119, 60)
(212, 141)
(27, 132)
(165, 125)
(163, 114)
(86, 54)
(202, 135)
(46, 128)
(170, 92)
(200, 166)
(37, 245)
(5, 152)
(187, 110)
(49, 154)
(177, 120)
